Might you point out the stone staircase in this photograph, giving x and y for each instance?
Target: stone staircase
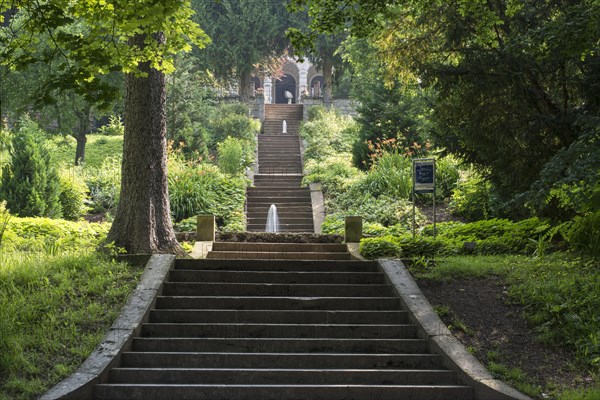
(279, 330)
(279, 176)
(275, 114)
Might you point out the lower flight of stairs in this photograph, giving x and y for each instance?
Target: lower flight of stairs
(279, 330)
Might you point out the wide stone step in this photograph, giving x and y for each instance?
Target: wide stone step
(287, 205)
(286, 230)
(280, 392)
(280, 360)
(281, 193)
(266, 138)
(259, 220)
(347, 278)
(278, 303)
(276, 277)
(272, 266)
(260, 217)
(276, 345)
(277, 184)
(306, 222)
(283, 198)
(260, 255)
(277, 317)
(282, 168)
(262, 208)
(256, 289)
(257, 330)
(310, 247)
(289, 376)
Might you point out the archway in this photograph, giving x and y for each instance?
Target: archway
(285, 84)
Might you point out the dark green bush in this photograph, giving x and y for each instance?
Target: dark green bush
(585, 234)
(30, 184)
(471, 197)
(489, 237)
(233, 120)
(379, 247)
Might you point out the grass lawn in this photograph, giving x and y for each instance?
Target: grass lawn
(97, 149)
(58, 298)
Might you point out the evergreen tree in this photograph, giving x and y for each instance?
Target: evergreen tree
(30, 185)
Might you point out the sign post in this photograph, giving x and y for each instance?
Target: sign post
(423, 182)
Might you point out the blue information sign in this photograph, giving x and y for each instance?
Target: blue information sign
(424, 175)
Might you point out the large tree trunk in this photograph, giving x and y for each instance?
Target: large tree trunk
(245, 88)
(85, 117)
(142, 222)
(327, 81)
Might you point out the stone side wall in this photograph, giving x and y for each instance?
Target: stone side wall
(256, 105)
(346, 106)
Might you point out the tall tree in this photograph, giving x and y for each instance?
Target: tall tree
(139, 39)
(513, 79)
(244, 33)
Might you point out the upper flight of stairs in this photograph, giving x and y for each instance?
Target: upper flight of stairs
(275, 114)
(279, 330)
(279, 176)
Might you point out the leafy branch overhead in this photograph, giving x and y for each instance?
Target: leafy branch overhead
(94, 37)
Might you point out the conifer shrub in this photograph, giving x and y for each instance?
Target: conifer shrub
(30, 185)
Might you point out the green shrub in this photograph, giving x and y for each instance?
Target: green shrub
(328, 134)
(335, 173)
(104, 184)
(4, 218)
(447, 176)
(186, 225)
(73, 194)
(202, 189)
(471, 199)
(391, 175)
(490, 237)
(43, 235)
(235, 125)
(380, 247)
(385, 210)
(585, 234)
(114, 127)
(230, 157)
(30, 184)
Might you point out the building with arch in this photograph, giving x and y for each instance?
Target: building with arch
(301, 79)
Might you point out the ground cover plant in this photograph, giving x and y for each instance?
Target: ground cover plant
(555, 351)
(59, 297)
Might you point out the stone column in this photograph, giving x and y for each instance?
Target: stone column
(268, 84)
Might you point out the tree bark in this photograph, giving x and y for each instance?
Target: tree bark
(84, 129)
(142, 223)
(245, 88)
(327, 81)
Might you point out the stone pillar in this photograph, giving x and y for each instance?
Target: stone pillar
(353, 230)
(205, 229)
(268, 84)
(303, 68)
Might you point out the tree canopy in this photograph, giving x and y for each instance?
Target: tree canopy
(516, 83)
